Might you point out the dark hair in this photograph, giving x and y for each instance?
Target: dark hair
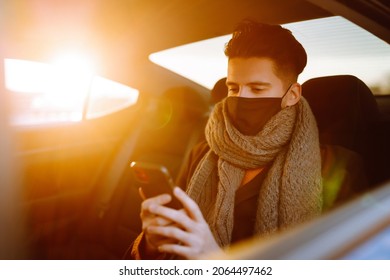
(253, 39)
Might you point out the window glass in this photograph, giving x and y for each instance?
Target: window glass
(375, 248)
(43, 93)
(334, 46)
(108, 96)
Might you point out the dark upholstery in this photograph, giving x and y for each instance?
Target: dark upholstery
(172, 124)
(219, 91)
(347, 115)
(168, 134)
(180, 116)
(344, 108)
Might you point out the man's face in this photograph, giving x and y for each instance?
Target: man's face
(252, 78)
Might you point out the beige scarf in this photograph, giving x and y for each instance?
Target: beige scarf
(292, 190)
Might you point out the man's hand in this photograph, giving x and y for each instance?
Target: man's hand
(188, 228)
(153, 241)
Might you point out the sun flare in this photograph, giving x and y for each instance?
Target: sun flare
(62, 85)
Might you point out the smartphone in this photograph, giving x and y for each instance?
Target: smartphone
(154, 179)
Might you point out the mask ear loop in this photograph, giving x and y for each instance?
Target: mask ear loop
(288, 89)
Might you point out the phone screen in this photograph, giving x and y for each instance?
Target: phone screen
(154, 180)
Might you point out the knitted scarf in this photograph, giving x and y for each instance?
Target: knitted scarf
(291, 192)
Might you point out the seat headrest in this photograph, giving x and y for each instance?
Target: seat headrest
(343, 106)
(219, 91)
(177, 106)
(185, 101)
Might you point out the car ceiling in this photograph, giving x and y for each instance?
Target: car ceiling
(121, 34)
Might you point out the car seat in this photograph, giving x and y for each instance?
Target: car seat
(347, 115)
(219, 91)
(166, 138)
(177, 123)
(169, 126)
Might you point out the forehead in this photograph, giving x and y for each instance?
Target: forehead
(249, 70)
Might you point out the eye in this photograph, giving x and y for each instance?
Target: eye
(257, 90)
(233, 90)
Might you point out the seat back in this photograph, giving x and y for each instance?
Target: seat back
(178, 122)
(168, 134)
(344, 108)
(219, 91)
(346, 113)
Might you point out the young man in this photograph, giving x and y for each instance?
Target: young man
(259, 172)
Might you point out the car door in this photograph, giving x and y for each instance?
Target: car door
(61, 167)
(65, 149)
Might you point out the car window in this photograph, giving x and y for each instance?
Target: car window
(46, 94)
(108, 96)
(334, 46)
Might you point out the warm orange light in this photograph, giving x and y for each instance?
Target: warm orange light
(58, 92)
(70, 82)
(59, 88)
(73, 62)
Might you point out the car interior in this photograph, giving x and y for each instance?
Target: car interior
(66, 188)
(354, 121)
(326, 238)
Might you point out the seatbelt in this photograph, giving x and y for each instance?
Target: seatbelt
(195, 139)
(121, 163)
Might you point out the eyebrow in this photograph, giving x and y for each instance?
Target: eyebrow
(260, 84)
(250, 84)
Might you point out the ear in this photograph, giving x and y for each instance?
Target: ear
(293, 96)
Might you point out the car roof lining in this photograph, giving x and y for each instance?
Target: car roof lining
(372, 15)
(124, 33)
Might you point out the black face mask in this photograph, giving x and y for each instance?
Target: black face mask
(249, 115)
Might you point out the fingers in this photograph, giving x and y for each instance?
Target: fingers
(167, 235)
(141, 193)
(176, 249)
(160, 199)
(148, 217)
(155, 201)
(170, 232)
(177, 217)
(186, 219)
(155, 214)
(182, 232)
(190, 245)
(157, 240)
(189, 205)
